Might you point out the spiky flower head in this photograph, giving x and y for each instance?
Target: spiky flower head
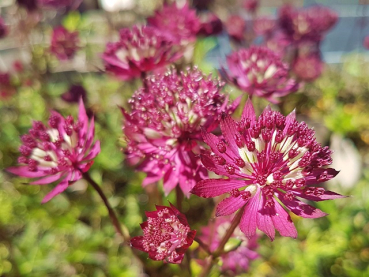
(270, 163)
(180, 22)
(140, 50)
(64, 44)
(238, 260)
(166, 235)
(259, 71)
(308, 24)
(60, 152)
(163, 128)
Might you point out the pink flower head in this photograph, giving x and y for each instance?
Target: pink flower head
(139, 50)
(167, 235)
(307, 24)
(60, 152)
(259, 71)
(164, 126)
(270, 163)
(264, 25)
(366, 42)
(64, 44)
(3, 28)
(236, 261)
(251, 5)
(308, 68)
(210, 25)
(236, 26)
(179, 22)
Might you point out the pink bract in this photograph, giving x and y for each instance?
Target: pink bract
(167, 235)
(270, 163)
(60, 152)
(179, 22)
(259, 71)
(163, 129)
(140, 50)
(64, 44)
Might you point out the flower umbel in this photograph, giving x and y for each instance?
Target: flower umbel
(259, 71)
(60, 152)
(167, 235)
(140, 50)
(269, 161)
(164, 126)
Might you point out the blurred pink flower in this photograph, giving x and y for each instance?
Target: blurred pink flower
(236, 26)
(140, 50)
(306, 24)
(366, 42)
(308, 68)
(3, 28)
(210, 25)
(259, 71)
(236, 261)
(163, 128)
(251, 5)
(64, 44)
(274, 160)
(60, 152)
(7, 88)
(180, 22)
(167, 235)
(264, 25)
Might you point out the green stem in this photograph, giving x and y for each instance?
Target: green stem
(112, 214)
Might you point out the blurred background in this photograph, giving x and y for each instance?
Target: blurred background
(72, 236)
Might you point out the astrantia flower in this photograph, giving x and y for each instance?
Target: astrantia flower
(140, 50)
(308, 68)
(210, 24)
(306, 24)
(59, 152)
(236, 26)
(163, 128)
(180, 22)
(270, 163)
(236, 261)
(64, 44)
(167, 235)
(251, 5)
(259, 71)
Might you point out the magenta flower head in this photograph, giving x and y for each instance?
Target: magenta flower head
(308, 68)
(309, 24)
(179, 22)
(167, 235)
(251, 5)
(3, 28)
(140, 50)
(64, 44)
(270, 163)
(237, 261)
(236, 26)
(163, 129)
(60, 152)
(259, 71)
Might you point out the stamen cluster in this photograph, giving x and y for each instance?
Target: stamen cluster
(167, 235)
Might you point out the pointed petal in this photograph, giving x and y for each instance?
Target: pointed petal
(328, 195)
(283, 222)
(249, 218)
(229, 205)
(248, 111)
(137, 242)
(62, 186)
(24, 172)
(315, 176)
(91, 134)
(48, 179)
(215, 187)
(229, 131)
(82, 117)
(264, 220)
(301, 209)
(93, 152)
